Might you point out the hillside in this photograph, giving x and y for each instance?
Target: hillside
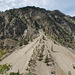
(24, 23)
(36, 41)
(41, 57)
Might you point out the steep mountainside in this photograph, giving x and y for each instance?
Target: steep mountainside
(24, 23)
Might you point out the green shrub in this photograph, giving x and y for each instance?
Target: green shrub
(29, 64)
(51, 47)
(74, 67)
(69, 73)
(0, 59)
(4, 68)
(12, 73)
(40, 56)
(20, 44)
(25, 42)
(46, 60)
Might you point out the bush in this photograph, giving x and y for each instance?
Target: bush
(40, 56)
(69, 73)
(0, 59)
(74, 67)
(46, 59)
(43, 38)
(51, 47)
(12, 73)
(25, 42)
(29, 64)
(4, 68)
(20, 44)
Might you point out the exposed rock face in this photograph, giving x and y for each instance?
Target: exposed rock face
(26, 22)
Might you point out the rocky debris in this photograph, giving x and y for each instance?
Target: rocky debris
(41, 61)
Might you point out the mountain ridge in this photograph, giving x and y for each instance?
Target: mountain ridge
(24, 23)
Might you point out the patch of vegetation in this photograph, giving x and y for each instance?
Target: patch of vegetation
(23, 42)
(46, 60)
(27, 69)
(40, 56)
(4, 68)
(43, 38)
(51, 47)
(73, 67)
(20, 44)
(52, 72)
(13, 73)
(0, 59)
(31, 60)
(29, 64)
(2, 52)
(42, 48)
(69, 73)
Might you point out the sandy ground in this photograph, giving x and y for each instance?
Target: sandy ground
(64, 59)
(19, 59)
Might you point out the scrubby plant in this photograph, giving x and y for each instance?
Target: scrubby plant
(51, 47)
(25, 42)
(69, 73)
(0, 59)
(43, 38)
(46, 59)
(40, 56)
(20, 44)
(4, 68)
(29, 64)
(2, 52)
(12, 73)
(31, 60)
(73, 67)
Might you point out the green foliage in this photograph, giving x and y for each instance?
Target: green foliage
(2, 52)
(12, 73)
(43, 38)
(44, 29)
(73, 67)
(0, 59)
(4, 68)
(51, 47)
(69, 73)
(46, 59)
(31, 60)
(20, 44)
(25, 42)
(29, 64)
(40, 56)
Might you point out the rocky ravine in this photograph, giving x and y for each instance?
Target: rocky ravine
(41, 57)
